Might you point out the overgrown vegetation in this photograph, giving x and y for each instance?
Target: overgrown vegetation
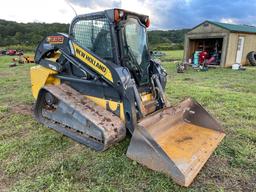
(35, 158)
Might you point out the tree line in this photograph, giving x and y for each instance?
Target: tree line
(30, 34)
(13, 33)
(167, 40)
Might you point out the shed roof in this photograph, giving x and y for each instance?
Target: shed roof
(235, 27)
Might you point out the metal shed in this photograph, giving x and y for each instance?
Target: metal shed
(231, 42)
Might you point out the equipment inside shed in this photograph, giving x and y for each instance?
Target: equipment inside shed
(205, 52)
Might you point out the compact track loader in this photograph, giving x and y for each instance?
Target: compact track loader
(98, 82)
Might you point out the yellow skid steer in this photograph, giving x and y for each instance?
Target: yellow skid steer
(98, 82)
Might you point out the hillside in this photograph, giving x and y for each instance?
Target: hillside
(167, 40)
(29, 34)
(13, 33)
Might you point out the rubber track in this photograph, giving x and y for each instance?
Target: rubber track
(111, 126)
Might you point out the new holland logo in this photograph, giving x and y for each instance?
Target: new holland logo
(93, 62)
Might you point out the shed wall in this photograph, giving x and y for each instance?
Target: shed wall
(249, 45)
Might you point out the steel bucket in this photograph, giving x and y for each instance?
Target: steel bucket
(176, 141)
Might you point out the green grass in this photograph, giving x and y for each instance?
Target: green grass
(34, 158)
(176, 55)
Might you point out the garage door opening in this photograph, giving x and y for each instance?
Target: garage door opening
(206, 51)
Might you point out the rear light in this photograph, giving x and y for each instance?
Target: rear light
(147, 22)
(118, 15)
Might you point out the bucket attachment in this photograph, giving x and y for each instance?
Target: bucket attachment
(176, 141)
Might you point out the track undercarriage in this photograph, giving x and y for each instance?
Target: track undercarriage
(67, 111)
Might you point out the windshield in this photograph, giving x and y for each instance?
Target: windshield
(136, 40)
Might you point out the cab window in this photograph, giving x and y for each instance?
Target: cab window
(95, 35)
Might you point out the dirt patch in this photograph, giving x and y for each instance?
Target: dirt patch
(217, 166)
(247, 184)
(22, 109)
(16, 134)
(188, 79)
(4, 74)
(4, 182)
(218, 172)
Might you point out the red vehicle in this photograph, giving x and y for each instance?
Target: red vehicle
(202, 56)
(11, 52)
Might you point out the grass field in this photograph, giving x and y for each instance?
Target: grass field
(34, 158)
(172, 55)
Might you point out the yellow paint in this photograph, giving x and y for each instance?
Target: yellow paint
(41, 76)
(146, 97)
(112, 105)
(93, 62)
(54, 56)
(187, 145)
